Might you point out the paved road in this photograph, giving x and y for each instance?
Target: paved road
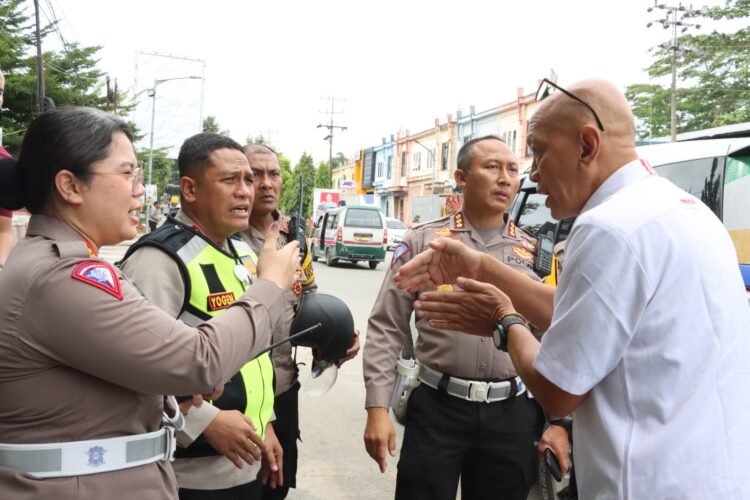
(333, 461)
(334, 464)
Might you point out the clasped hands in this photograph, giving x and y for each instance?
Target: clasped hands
(474, 309)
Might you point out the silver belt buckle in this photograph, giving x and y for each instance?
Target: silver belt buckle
(171, 444)
(479, 391)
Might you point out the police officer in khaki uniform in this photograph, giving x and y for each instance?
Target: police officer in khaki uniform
(267, 184)
(85, 359)
(471, 416)
(193, 269)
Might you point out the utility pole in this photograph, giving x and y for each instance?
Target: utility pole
(109, 93)
(39, 64)
(671, 20)
(330, 126)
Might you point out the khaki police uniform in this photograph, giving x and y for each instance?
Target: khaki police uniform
(158, 276)
(447, 436)
(286, 408)
(90, 359)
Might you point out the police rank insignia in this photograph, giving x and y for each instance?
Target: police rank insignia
(512, 229)
(523, 253)
(96, 456)
(99, 274)
(399, 251)
(458, 220)
(444, 288)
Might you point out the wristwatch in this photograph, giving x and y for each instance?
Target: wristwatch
(500, 334)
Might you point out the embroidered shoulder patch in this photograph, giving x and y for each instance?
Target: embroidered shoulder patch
(98, 274)
(400, 250)
(444, 232)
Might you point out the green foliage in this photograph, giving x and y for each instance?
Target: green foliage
(164, 169)
(70, 77)
(290, 194)
(713, 79)
(338, 160)
(211, 125)
(323, 176)
(258, 139)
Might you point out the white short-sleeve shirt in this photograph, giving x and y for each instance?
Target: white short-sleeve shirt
(651, 320)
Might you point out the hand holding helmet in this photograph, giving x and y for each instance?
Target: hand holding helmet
(332, 340)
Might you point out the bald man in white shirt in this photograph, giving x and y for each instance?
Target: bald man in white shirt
(648, 342)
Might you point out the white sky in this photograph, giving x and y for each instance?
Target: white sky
(397, 63)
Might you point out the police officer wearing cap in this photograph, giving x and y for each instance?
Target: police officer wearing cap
(192, 269)
(471, 416)
(264, 163)
(85, 359)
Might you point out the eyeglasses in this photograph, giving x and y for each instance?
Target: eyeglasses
(547, 87)
(135, 175)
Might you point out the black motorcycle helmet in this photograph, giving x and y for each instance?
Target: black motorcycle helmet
(334, 336)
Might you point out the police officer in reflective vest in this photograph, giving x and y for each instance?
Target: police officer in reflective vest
(193, 269)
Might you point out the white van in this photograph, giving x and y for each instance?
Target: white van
(352, 234)
(717, 171)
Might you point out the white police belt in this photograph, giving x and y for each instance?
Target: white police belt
(472, 390)
(78, 458)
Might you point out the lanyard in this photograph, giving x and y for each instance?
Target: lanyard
(240, 271)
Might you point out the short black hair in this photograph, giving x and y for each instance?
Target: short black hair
(195, 152)
(68, 138)
(464, 154)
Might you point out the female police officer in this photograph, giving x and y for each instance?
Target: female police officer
(84, 359)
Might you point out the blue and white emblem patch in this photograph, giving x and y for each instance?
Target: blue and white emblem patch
(96, 456)
(99, 274)
(400, 250)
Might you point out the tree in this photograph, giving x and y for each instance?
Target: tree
(715, 71)
(339, 159)
(290, 195)
(323, 176)
(258, 139)
(164, 169)
(211, 125)
(70, 78)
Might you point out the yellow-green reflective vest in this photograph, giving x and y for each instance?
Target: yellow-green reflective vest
(213, 280)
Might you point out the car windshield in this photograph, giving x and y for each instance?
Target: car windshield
(395, 224)
(359, 217)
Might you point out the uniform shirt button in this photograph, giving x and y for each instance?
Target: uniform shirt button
(482, 367)
(484, 339)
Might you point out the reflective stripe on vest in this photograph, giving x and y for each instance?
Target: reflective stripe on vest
(214, 286)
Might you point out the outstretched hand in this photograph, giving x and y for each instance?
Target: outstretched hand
(442, 263)
(278, 266)
(475, 309)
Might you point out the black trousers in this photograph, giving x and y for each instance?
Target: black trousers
(286, 427)
(247, 491)
(490, 446)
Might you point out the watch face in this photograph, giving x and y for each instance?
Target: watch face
(497, 336)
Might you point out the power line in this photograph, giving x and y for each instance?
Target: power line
(331, 128)
(674, 22)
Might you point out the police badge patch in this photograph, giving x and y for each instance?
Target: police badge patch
(96, 456)
(99, 274)
(399, 251)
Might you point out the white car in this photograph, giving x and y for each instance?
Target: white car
(396, 230)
